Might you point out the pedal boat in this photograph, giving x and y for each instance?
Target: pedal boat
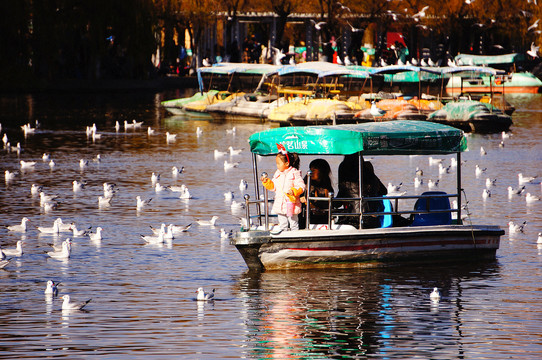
(432, 235)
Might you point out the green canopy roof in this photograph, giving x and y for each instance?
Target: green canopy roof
(399, 137)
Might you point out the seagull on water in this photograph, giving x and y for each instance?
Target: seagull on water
(97, 236)
(525, 179)
(486, 194)
(18, 251)
(20, 227)
(228, 195)
(434, 161)
(435, 294)
(516, 228)
(52, 164)
(180, 228)
(51, 289)
(78, 233)
(243, 185)
(228, 165)
(418, 182)
(419, 172)
(142, 203)
(68, 305)
(515, 191)
(531, 198)
(199, 132)
(55, 229)
(490, 183)
(27, 164)
(10, 175)
(35, 189)
(58, 248)
(45, 157)
(234, 152)
(483, 151)
(432, 184)
(157, 239)
(77, 186)
(170, 137)
(155, 177)
(237, 206)
(539, 239)
(211, 222)
(150, 131)
(478, 170)
(231, 131)
(104, 201)
(83, 163)
(176, 171)
(185, 194)
(443, 169)
(203, 296)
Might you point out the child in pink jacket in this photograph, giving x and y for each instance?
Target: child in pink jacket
(288, 185)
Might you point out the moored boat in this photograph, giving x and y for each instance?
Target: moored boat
(430, 234)
(518, 82)
(471, 115)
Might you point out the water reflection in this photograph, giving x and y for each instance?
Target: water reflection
(384, 312)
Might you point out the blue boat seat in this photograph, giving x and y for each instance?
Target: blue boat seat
(386, 220)
(440, 218)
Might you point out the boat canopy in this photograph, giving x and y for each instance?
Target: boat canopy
(400, 137)
(467, 59)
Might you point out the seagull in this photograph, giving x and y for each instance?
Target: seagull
(127, 125)
(155, 177)
(490, 182)
(104, 201)
(18, 251)
(533, 52)
(234, 152)
(231, 131)
(176, 171)
(211, 222)
(150, 131)
(516, 228)
(109, 190)
(55, 229)
(515, 191)
(83, 163)
(158, 239)
(117, 126)
(236, 206)
(486, 194)
(67, 305)
(531, 198)
(228, 165)
(243, 185)
(420, 14)
(169, 232)
(432, 184)
(21, 227)
(52, 164)
(394, 188)
(51, 288)
(479, 170)
(525, 179)
(419, 172)
(57, 248)
(27, 164)
(199, 132)
(35, 189)
(78, 185)
(45, 157)
(46, 198)
(539, 239)
(97, 158)
(4, 263)
(434, 161)
(202, 296)
(505, 135)
(533, 26)
(10, 175)
(180, 228)
(159, 188)
(225, 235)
(97, 236)
(318, 26)
(482, 151)
(49, 206)
(443, 170)
(142, 203)
(185, 194)
(96, 136)
(78, 233)
(157, 231)
(5, 139)
(376, 111)
(137, 124)
(170, 137)
(435, 295)
(228, 195)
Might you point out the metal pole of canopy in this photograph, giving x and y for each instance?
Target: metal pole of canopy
(256, 185)
(458, 187)
(308, 207)
(360, 187)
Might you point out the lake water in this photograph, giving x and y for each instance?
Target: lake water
(143, 296)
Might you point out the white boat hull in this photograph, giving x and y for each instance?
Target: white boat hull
(365, 248)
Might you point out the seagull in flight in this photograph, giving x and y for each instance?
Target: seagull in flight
(533, 52)
(533, 26)
(420, 14)
(318, 26)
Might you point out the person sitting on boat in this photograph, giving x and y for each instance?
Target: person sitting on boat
(321, 186)
(349, 188)
(288, 185)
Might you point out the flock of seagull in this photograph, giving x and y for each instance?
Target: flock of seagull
(48, 202)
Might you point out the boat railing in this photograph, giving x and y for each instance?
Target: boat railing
(335, 211)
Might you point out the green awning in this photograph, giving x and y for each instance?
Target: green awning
(399, 137)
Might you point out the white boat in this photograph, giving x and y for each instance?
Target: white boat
(431, 235)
